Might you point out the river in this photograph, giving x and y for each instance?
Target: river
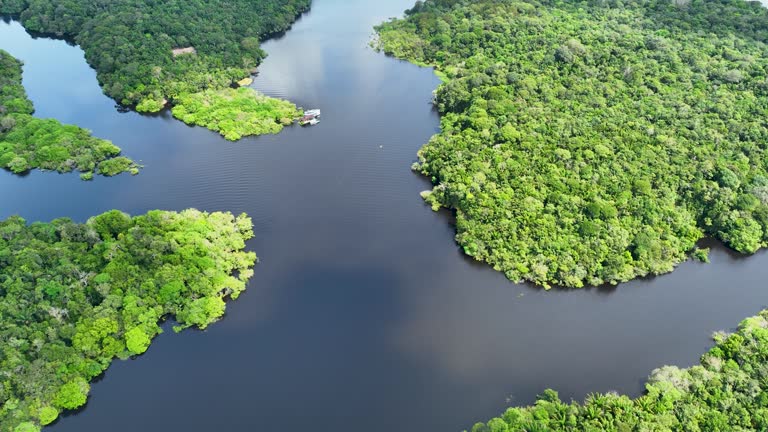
(362, 314)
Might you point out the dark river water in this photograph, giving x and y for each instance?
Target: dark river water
(363, 315)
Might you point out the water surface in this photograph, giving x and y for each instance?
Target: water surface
(363, 314)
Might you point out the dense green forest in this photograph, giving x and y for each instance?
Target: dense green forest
(236, 113)
(75, 296)
(728, 391)
(131, 43)
(27, 142)
(586, 142)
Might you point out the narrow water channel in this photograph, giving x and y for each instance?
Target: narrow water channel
(363, 314)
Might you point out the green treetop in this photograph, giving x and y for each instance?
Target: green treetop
(726, 392)
(28, 142)
(75, 296)
(589, 142)
(149, 52)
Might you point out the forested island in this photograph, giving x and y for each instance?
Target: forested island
(73, 296)
(149, 53)
(727, 391)
(594, 142)
(27, 142)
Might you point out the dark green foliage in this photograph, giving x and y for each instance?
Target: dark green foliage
(27, 142)
(130, 42)
(13, 98)
(115, 166)
(74, 296)
(728, 391)
(586, 142)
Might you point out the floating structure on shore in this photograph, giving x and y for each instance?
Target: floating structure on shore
(311, 118)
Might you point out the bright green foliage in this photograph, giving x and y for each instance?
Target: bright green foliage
(728, 391)
(48, 415)
(150, 105)
(130, 43)
(591, 142)
(235, 113)
(72, 394)
(701, 254)
(75, 296)
(27, 142)
(50, 145)
(136, 340)
(117, 165)
(26, 427)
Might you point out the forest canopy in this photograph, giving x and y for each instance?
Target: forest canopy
(586, 142)
(236, 113)
(727, 391)
(27, 142)
(147, 52)
(73, 296)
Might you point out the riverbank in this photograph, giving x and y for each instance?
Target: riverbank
(403, 331)
(76, 296)
(574, 165)
(147, 69)
(28, 143)
(236, 113)
(726, 391)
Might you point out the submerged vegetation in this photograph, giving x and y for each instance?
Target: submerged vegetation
(75, 296)
(27, 142)
(586, 142)
(236, 113)
(148, 52)
(728, 391)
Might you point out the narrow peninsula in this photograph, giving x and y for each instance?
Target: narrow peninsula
(73, 296)
(27, 142)
(150, 54)
(236, 113)
(585, 142)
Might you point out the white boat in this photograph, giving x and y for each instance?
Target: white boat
(312, 112)
(313, 122)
